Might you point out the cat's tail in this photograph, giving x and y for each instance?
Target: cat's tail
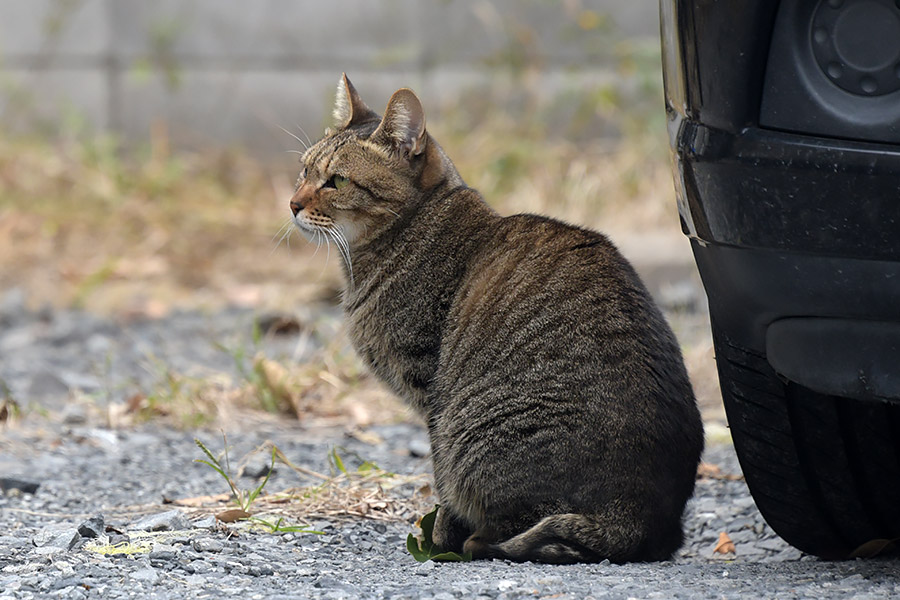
(573, 538)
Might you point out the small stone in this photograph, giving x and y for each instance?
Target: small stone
(172, 520)
(92, 528)
(746, 549)
(161, 553)
(147, 575)
(74, 414)
(788, 554)
(261, 570)
(13, 542)
(208, 522)
(48, 550)
(425, 568)
(326, 581)
(773, 544)
(257, 470)
(506, 585)
(15, 483)
(419, 448)
(46, 383)
(65, 582)
(207, 545)
(322, 526)
(65, 539)
(198, 566)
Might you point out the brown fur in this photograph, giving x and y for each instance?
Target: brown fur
(562, 423)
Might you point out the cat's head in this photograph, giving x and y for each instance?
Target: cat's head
(365, 172)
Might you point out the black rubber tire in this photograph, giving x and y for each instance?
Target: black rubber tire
(824, 471)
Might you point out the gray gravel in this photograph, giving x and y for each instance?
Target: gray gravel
(95, 483)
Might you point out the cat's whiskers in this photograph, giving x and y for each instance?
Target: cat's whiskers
(340, 240)
(302, 143)
(306, 135)
(283, 233)
(318, 242)
(342, 237)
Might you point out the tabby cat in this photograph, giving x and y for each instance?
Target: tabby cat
(562, 423)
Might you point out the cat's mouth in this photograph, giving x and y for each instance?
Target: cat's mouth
(318, 227)
(312, 223)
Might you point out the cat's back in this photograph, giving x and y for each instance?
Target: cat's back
(557, 363)
(544, 290)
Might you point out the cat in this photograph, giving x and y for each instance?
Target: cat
(562, 423)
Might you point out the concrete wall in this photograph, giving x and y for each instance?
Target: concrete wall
(233, 71)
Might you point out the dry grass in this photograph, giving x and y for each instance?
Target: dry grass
(331, 388)
(366, 491)
(81, 225)
(84, 223)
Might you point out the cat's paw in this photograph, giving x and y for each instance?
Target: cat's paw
(482, 546)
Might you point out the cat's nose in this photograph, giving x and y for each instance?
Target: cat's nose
(302, 198)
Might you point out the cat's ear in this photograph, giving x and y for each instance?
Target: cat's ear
(349, 109)
(403, 127)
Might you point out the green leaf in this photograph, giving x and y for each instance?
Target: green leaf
(367, 467)
(426, 550)
(427, 525)
(412, 544)
(259, 488)
(338, 462)
(451, 557)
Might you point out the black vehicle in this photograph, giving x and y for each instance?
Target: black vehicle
(784, 122)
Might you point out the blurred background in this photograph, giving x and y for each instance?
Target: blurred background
(145, 172)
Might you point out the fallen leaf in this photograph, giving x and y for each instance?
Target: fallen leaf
(275, 324)
(198, 501)
(136, 402)
(724, 545)
(232, 515)
(711, 471)
(423, 548)
(366, 437)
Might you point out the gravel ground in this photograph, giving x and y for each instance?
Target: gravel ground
(91, 481)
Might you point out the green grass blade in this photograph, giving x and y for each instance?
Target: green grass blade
(206, 451)
(338, 462)
(215, 468)
(260, 487)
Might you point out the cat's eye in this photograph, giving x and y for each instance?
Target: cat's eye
(336, 182)
(300, 179)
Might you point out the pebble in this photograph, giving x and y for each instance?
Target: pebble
(65, 538)
(207, 545)
(147, 575)
(92, 528)
(419, 448)
(173, 520)
(83, 469)
(25, 486)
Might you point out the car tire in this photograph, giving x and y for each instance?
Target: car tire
(824, 471)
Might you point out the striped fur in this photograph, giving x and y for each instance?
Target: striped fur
(562, 423)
